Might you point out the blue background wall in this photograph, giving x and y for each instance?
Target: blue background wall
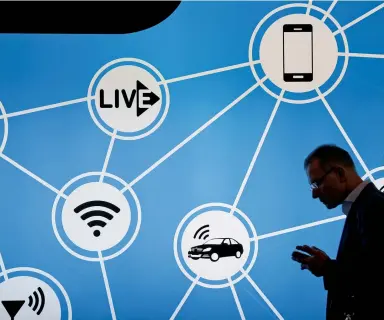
(59, 144)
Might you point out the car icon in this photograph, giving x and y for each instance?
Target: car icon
(216, 248)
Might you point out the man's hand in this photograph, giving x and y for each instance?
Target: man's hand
(314, 260)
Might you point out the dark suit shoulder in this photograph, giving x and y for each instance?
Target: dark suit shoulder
(370, 199)
(369, 208)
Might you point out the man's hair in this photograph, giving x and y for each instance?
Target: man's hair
(330, 154)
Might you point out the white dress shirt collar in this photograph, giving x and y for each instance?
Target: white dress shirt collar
(348, 202)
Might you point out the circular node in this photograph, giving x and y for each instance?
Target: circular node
(96, 216)
(28, 298)
(5, 136)
(215, 245)
(94, 208)
(298, 53)
(128, 98)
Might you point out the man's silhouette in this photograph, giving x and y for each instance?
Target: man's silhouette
(354, 280)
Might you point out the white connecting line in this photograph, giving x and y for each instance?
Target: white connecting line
(209, 72)
(346, 137)
(309, 7)
(2, 268)
(329, 10)
(184, 299)
(234, 206)
(85, 99)
(106, 283)
(304, 226)
(194, 134)
(28, 111)
(361, 55)
(366, 15)
(32, 175)
(262, 295)
(108, 156)
(47, 107)
(257, 152)
(237, 300)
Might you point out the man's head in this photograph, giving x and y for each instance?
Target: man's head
(332, 174)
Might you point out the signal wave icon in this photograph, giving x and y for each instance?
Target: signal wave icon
(97, 213)
(36, 301)
(202, 232)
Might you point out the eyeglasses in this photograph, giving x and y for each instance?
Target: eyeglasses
(318, 182)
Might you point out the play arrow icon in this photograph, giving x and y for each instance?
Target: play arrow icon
(151, 98)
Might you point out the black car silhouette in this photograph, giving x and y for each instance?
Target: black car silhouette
(216, 248)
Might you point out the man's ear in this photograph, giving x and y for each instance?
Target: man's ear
(341, 173)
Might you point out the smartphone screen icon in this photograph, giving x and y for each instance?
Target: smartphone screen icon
(298, 52)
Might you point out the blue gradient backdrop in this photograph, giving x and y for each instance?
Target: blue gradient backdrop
(59, 144)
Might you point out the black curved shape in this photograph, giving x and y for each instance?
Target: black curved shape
(98, 223)
(96, 203)
(42, 301)
(203, 233)
(97, 213)
(36, 301)
(198, 230)
(78, 17)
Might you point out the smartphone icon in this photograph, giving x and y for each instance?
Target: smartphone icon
(298, 52)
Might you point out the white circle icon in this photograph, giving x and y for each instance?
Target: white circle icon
(298, 53)
(130, 96)
(96, 216)
(216, 245)
(28, 298)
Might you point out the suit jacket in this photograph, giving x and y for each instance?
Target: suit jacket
(355, 279)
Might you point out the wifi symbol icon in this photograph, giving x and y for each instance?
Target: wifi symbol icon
(202, 232)
(36, 301)
(97, 213)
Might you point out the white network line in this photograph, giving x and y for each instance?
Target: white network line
(107, 157)
(338, 124)
(262, 295)
(194, 134)
(32, 175)
(2, 268)
(184, 299)
(329, 10)
(106, 283)
(366, 15)
(191, 76)
(209, 72)
(309, 7)
(47, 107)
(362, 55)
(237, 301)
(301, 227)
(257, 152)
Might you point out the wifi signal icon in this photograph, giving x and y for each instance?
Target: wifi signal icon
(36, 301)
(202, 232)
(96, 213)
